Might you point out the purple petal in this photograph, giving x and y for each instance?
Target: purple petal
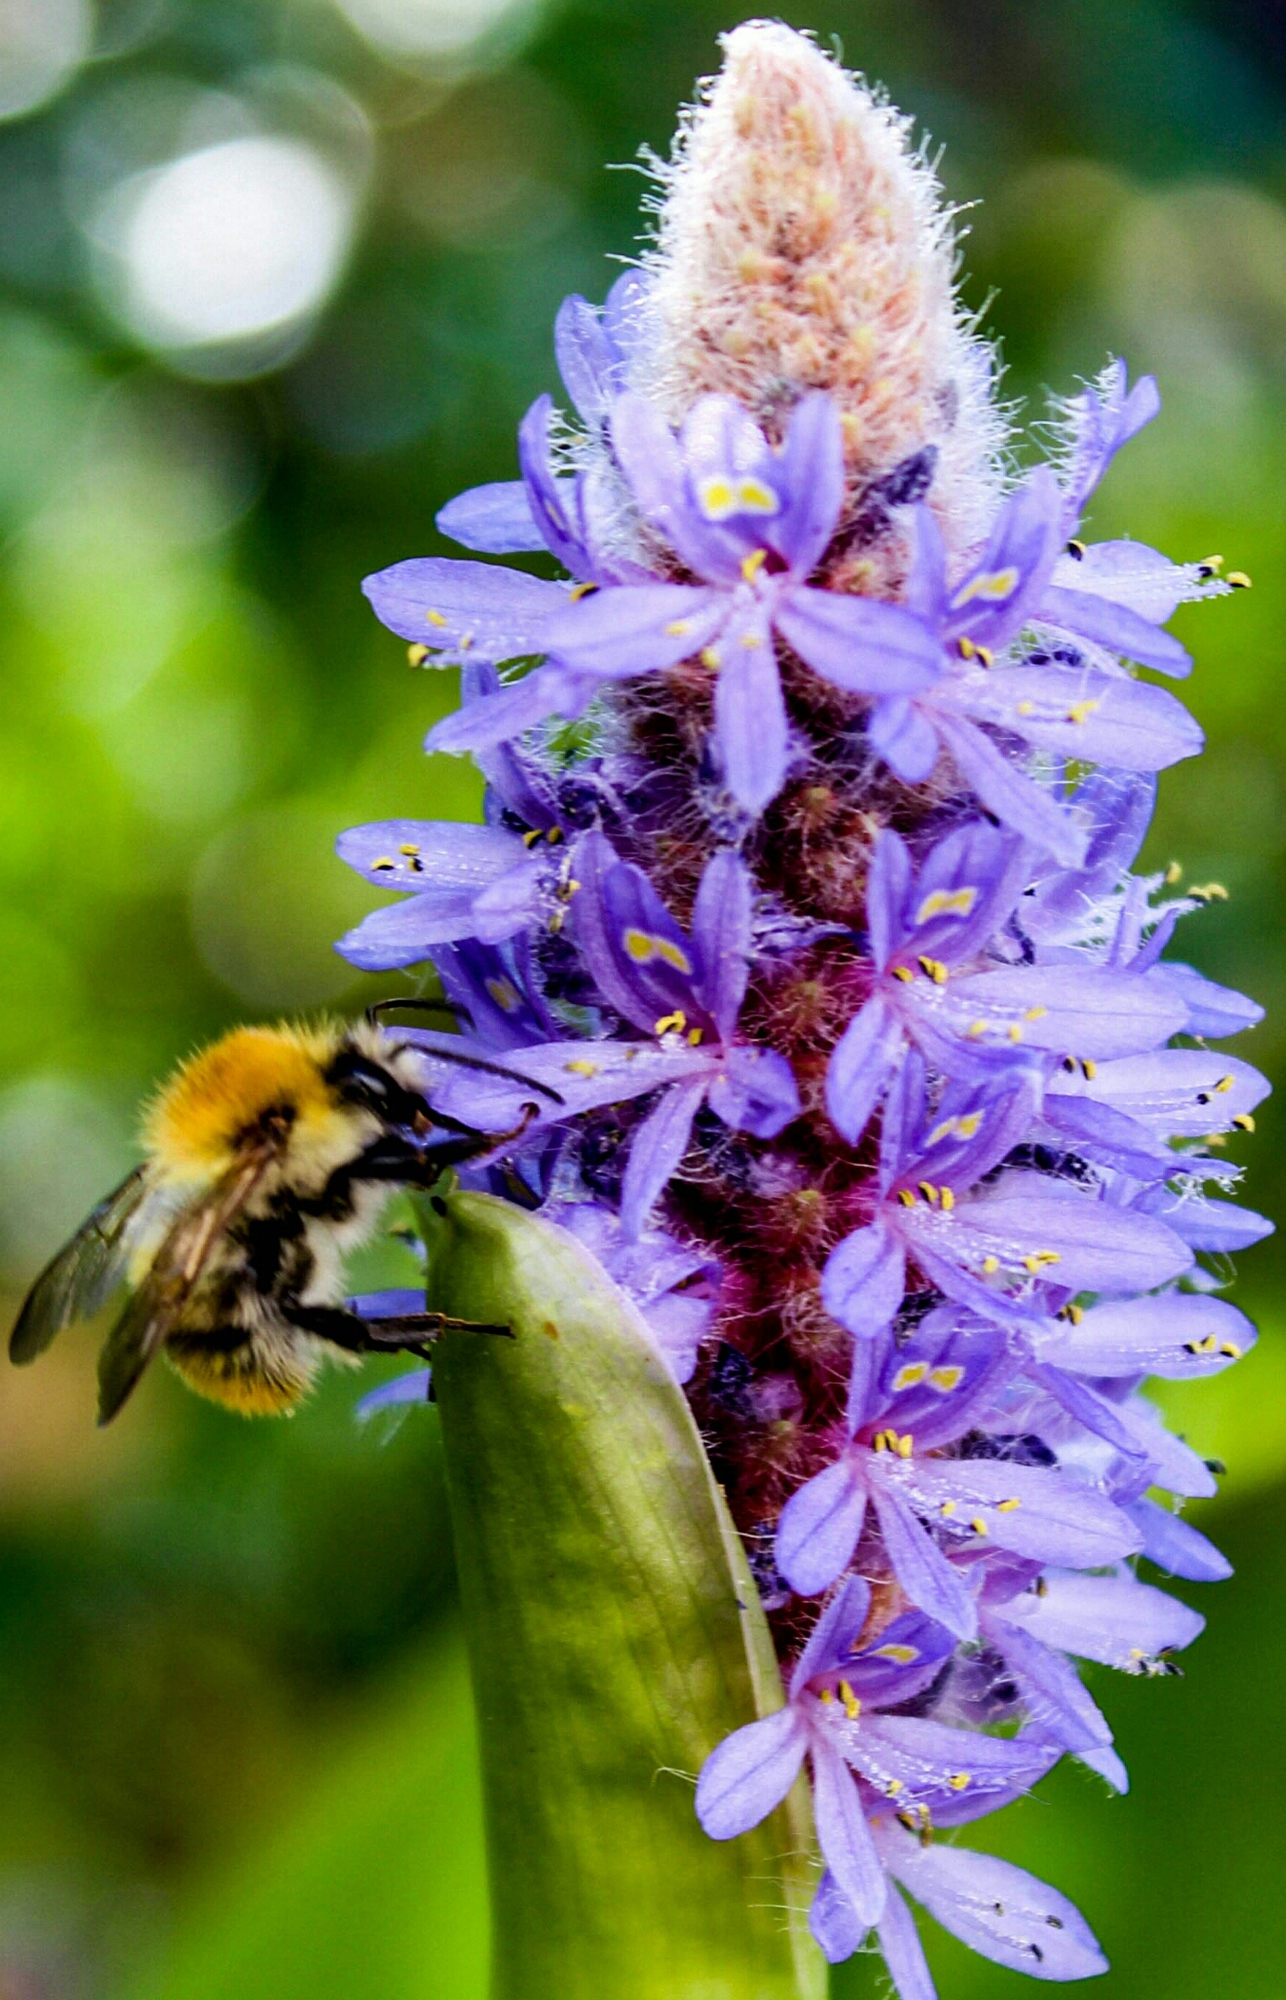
(496, 520)
(585, 1075)
(500, 717)
(903, 1952)
(1108, 1137)
(750, 725)
(1177, 1336)
(1115, 626)
(831, 1638)
(998, 1910)
(754, 1090)
(888, 887)
(968, 883)
(811, 470)
(864, 1280)
(1132, 574)
(1086, 1010)
(902, 1658)
(596, 934)
(1204, 1225)
(837, 1930)
(860, 1069)
(656, 1150)
(393, 1304)
(1131, 725)
(844, 1837)
(659, 967)
(818, 1529)
(1174, 1545)
(925, 1757)
(928, 1579)
(1093, 1247)
(1112, 1619)
(1177, 1093)
(1090, 1409)
(637, 628)
(1213, 1010)
(412, 1387)
(464, 607)
(1053, 1693)
(585, 356)
(904, 737)
(721, 929)
(508, 904)
(1107, 1765)
(403, 933)
(991, 603)
(1015, 799)
(750, 1773)
(649, 456)
(859, 643)
(1043, 1515)
(553, 501)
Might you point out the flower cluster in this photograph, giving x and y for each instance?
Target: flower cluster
(814, 793)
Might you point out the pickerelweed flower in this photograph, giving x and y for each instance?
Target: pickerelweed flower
(814, 791)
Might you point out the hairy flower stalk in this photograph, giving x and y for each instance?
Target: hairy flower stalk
(812, 803)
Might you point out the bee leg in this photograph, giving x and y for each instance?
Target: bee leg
(417, 1328)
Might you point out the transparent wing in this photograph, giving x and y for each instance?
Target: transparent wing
(157, 1307)
(81, 1278)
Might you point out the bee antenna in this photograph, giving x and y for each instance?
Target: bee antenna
(496, 1069)
(453, 1007)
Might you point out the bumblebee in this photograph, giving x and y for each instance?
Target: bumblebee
(269, 1156)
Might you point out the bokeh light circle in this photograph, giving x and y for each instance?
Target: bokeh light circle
(42, 44)
(430, 30)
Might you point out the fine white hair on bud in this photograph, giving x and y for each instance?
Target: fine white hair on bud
(802, 242)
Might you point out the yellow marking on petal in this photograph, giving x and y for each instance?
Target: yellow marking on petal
(678, 1019)
(711, 657)
(990, 1266)
(1035, 1013)
(505, 994)
(435, 618)
(906, 1197)
(948, 1200)
(1238, 579)
(1173, 874)
(903, 972)
(968, 1125)
(645, 946)
(901, 1656)
(716, 498)
(1244, 1122)
(678, 628)
(753, 563)
(529, 839)
(417, 654)
(978, 1525)
(946, 1378)
(754, 497)
(752, 641)
(942, 1131)
(1007, 1506)
(580, 590)
(947, 1509)
(1080, 711)
(384, 861)
(1224, 1083)
(852, 1706)
(947, 903)
(910, 1376)
(960, 1780)
(582, 1066)
(993, 586)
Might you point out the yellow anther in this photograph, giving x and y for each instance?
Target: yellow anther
(910, 1376)
(1081, 710)
(505, 994)
(880, 1442)
(580, 590)
(384, 861)
(711, 657)
(947, 1378)
(1209, 892)
(828, 1696)
(1035, 1013)
(556, 922)
(893, 1787)
(1238, 579)
(529, 839)
(1039, 1259)
(1015, 1031)
(906, 1197)
(1073, 1313)
(947, 1509)
(554, 835)
(678, 1019)
(928, 1190)
(947, 1199)
(959, 1780)
(1211, 562)
(1173, 874)
(903, 972)
(1214, 1139)
(417, 654)
(985, 655)
(934, 968)
(1007, 1506)
(976, 1030)
(435, 618)
(966, 647)
(753, 563)
(1089, 1070)
(905, 1445)
(852, 1706)
(978, 1525)
(1077, 549)
(1244, 1121)
(1025, 708)
(1224, 1083)
(990, 1266)
(1231, 1349)
(678, 628)
(582, 1066)
(569, 889)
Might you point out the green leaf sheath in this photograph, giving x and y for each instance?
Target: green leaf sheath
(608, 1650)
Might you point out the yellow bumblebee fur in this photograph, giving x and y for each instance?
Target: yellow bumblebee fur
(192, 1127)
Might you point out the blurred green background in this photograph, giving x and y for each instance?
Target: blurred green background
(277, 278)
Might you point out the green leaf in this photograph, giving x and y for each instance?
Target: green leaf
(608, 1649)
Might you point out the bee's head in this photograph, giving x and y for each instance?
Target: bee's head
(332, 1087)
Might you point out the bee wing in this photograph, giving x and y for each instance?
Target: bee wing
(156, 1308)
(80, 1279)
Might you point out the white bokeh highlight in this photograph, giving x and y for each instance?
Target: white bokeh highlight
(432, 30)
(42, 44)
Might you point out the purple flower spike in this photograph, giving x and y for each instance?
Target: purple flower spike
(804, 972)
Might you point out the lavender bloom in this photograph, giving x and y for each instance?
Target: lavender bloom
(824, 925)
